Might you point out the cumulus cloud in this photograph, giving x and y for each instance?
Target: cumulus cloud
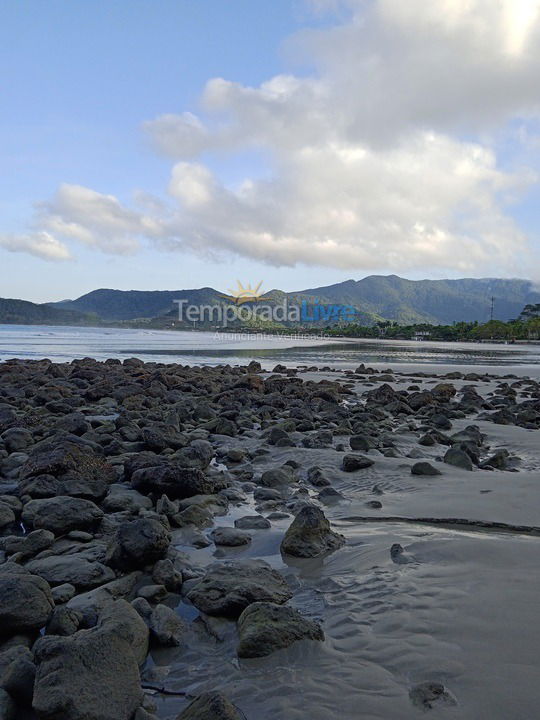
(368, 167)
(40, 244)
(96, 220)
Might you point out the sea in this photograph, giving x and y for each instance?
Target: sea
(62, 344)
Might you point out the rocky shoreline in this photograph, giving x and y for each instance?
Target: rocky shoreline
(112, 473)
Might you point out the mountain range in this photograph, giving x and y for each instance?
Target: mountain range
(375, 297)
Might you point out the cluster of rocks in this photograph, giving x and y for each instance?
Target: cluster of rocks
(106, 468)
(100, 465)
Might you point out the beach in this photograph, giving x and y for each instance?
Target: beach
(382, 521)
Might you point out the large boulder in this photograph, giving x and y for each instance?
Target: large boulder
(211, 706)
(228, 588)
(78, 571)
(66, 468)
(25, 600)
(139, 543)
(264, 627)
(121, 618)
(175, 481)
(92, 675)
(310, 535)
(62, 514)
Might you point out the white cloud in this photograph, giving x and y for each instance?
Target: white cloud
(96, 220)
(368, 166)
(41, 244)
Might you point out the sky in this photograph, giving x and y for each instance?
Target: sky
(169, 144)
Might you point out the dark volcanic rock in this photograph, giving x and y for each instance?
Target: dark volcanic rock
(25, 600)
(264, 627)
(310, 535)
(60, 515)
(230, 537)
(66, 468)
(175, 481)
(458, 458)
(424, 468)
(431, 694)
(211, 706)
(351, 463)
(92, 675)
(228, 588)
(139, 543)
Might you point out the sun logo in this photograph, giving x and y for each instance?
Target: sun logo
(244, 294)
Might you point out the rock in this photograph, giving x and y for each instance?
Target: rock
(125, 499)
(264, 627)
(66, 468)
(175, 481)
(310, 535)
(431, 694)
(252, 522)
(443, 392)
(360, 442)
(229, 537)
(63, 593)
(152, 593)
(236, 455)
(17, 674)
(7, 516)
(199, 454)
(374, 504)
(400, 556)
(139, 543)
(277, 477)
(351, 463)
(29, 545)
(228, 588)
(263, 493)
(17, 439)
(93, 602)
(123, 620)
(74, 677)
(211, 706)
(164, 573)
(279, 436)
(62, 514)
(329, 495)
(63, 621)
(25, 600)
(458, 458)
(424, 468)
(499, 460)
(196, 515)
(417, 400)
(317, 477)
(77, 571)
(7, 706)
(166, 627)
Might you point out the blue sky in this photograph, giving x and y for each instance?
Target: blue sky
(81, 79)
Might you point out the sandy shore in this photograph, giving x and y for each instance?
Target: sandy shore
(427, 601)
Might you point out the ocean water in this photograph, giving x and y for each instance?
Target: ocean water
(207, 348)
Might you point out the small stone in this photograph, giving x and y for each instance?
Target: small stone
(351, 463)
(424, 468)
